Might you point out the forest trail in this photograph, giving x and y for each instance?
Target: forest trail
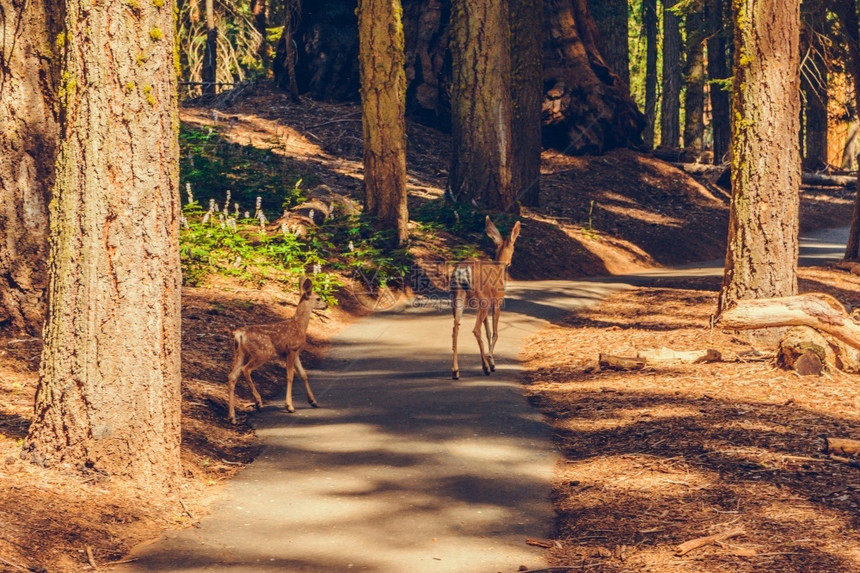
(404, 469)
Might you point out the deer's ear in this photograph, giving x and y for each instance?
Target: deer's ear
(306, 285)
(515, 232)
(493, 232)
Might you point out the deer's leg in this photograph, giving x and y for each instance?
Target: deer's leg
(482, 316)
(235, 370)
(304, 375)
(291, 364)
(459, 303)
(249, 367)
(497, 312)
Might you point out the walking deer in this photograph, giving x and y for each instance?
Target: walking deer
(481, 285)
(257, 344)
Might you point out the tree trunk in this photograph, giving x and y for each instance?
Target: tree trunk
(670, 100)
(481, 105)
(718, 74)
(28, 141)
(587, 108)
(260, 14)
(109, 389)
(649, 22)
(611, 20)
(694, 79)
(526, 18)
(847, 13)
(761, 259)
(210, 57)
(813, 83)
(383, 100)
(285, 59)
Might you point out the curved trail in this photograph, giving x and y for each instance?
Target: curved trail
(404, 469)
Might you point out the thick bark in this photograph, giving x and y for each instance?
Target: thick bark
(718, 73)
(109, 389)
(670, 98)
(761, 259)
(28, 141)
(649, 22)
(383, 100)
(210, 56)
(694, 79)
(612, 21)
(814, 85)
(847, 13)
(260, 15)
(526, 18)
(587, 108)
(481, 105)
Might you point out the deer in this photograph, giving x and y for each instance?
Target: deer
(256, 345)
(481, 285)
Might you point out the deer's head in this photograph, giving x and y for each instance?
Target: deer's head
(316, 301)
(504, 247)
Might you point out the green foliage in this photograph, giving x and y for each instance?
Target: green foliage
(462, 220)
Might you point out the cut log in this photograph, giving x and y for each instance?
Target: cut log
(806, 351)
(611, 362)
(819, 311)
(667, 355)
(692, 544)
(843, 447)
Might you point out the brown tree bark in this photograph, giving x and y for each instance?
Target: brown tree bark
(383, 100)
(612, 22)
(260, 14)
(28, 140)
(694, 78)
(526, 18)
(587, 108)
(717, 14)
(109, 389)
(649, 22)
(481, 166)
(670, 98)
(846, 11)
(761, 259)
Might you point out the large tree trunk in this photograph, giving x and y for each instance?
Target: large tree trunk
(847, 13)
(481, 105)
(587, 108)
(260, 14)
(813, 83)
(383, 101)
(612, 21)
(670, 99)
(694, 79)
(526, 18)
(28, 141)
(718, 72)
(649, 22)
(761, 259)
(109, 389)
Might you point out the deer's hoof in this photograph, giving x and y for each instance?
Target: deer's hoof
(258, 407)
(486, 370)
(455, 375)
(313, 404)
(492, 367)
(290, 410)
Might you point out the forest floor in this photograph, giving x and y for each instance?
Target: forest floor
(647, 459)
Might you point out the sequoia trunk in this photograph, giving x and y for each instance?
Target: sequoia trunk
(383, 98)
(28, 140)
(761, 259)
(526, 17)
(108, 395)
(612, 21)
(670, 101)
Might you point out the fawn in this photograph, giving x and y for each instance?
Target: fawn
(481, 285)
(257, 344)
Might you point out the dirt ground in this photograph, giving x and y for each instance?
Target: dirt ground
(650, 459)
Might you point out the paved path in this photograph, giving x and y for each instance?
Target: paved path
(402, 469)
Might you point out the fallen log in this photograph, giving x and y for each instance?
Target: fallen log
(846, 461)
(806, 351)
(692, 544)
(843, 447)
(817, 311)
(714, 172)
(850, 266)
(667, 355)
(611, 362)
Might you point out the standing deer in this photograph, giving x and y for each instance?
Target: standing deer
(481, 285)
(255, 345)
